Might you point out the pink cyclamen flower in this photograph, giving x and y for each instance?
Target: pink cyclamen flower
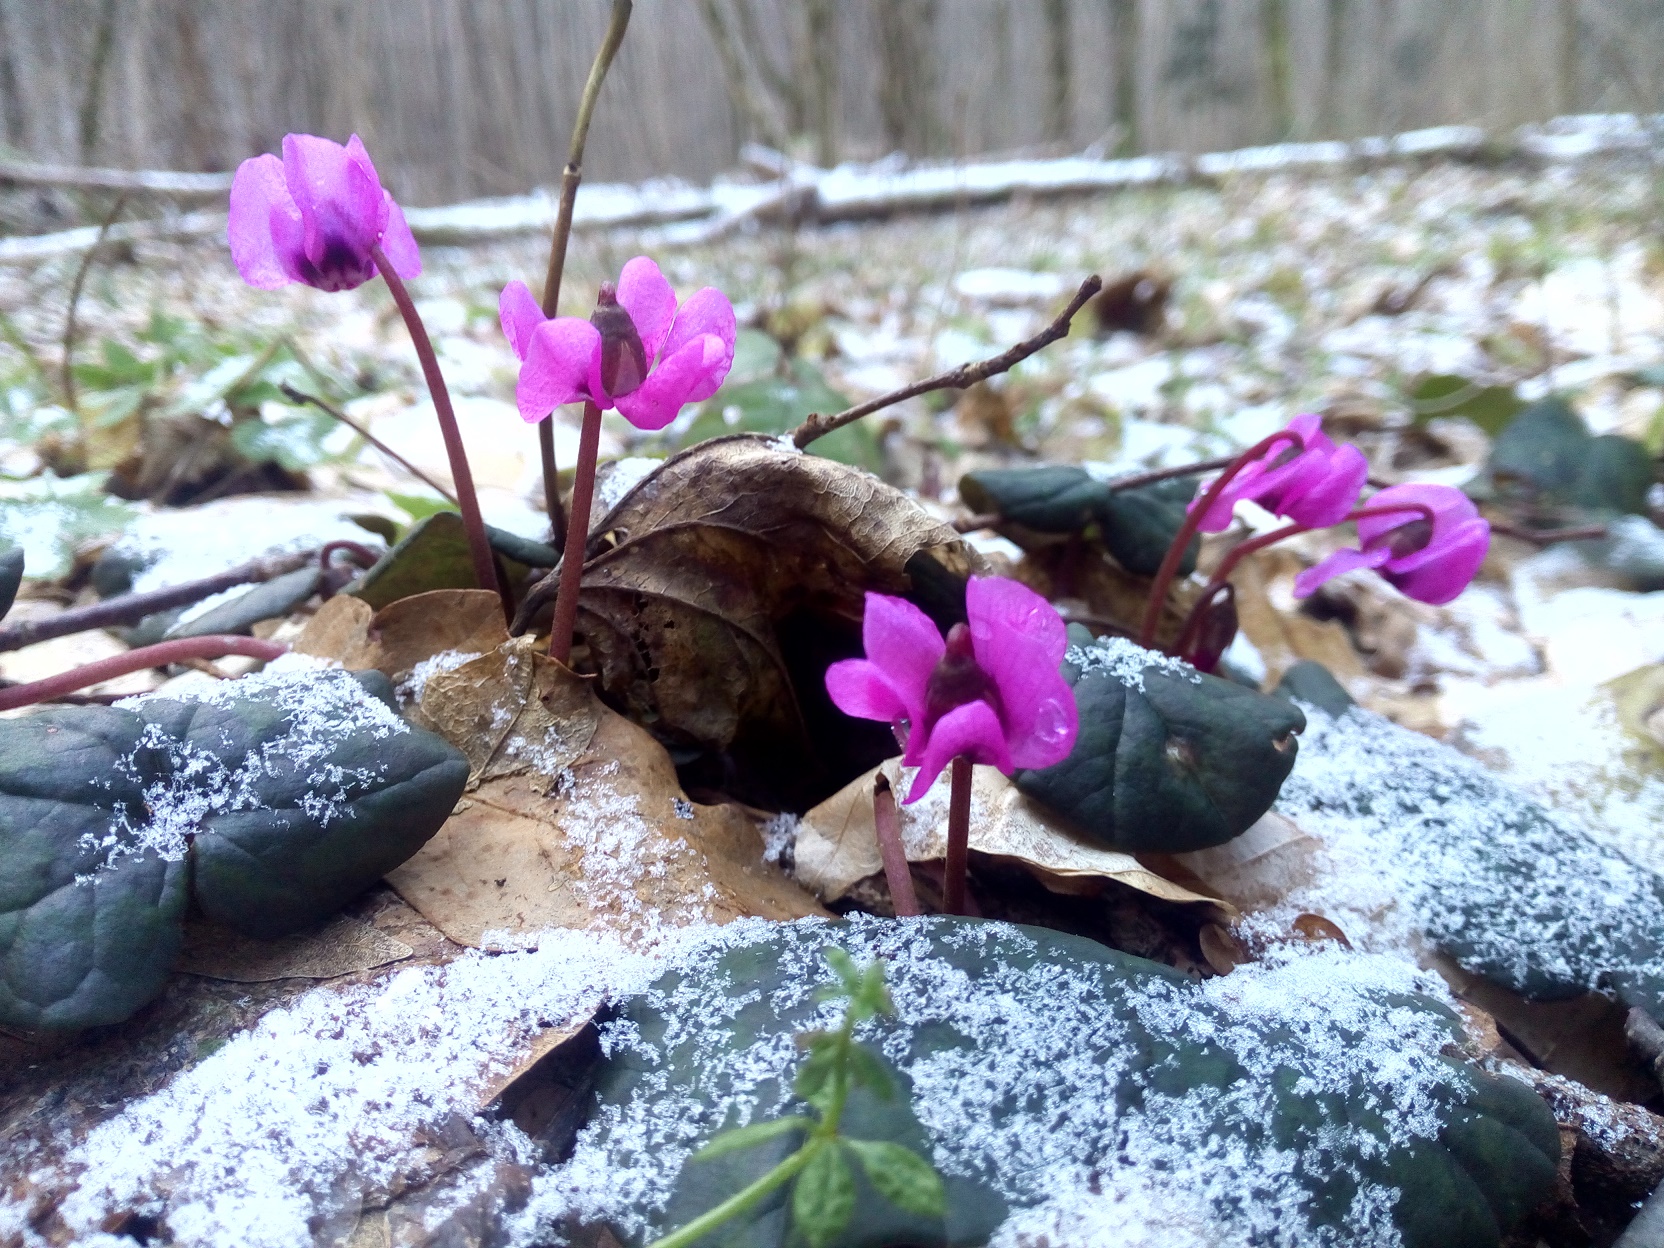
(992, 691)
(639, 352)
(1428, 562)
(1316, 486)
(313, 217)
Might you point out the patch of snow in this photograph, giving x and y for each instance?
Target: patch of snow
(1127, 661)
(780, 839)
(411, 688)
(624, 476)
(1009, 285)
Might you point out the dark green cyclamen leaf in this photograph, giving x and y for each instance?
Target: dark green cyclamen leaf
(1309, 681)
(274, 799)
(434, 554)
(823, 1197)
(1616, 475)
(902, 1177)
(1167, 759)
(266, 601)
(11, 577)
(1541, 451)
(1513, 892)
(1136, 525)
(74, 953)
(1309, 1093)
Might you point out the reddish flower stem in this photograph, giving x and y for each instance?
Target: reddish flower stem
(210, 646)
(959, 837)
(577, 537)
(479, 548)
(1239, 552)
(887, 824)
(1175, 553)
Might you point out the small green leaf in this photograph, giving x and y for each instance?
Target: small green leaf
(868, 1072)
(750, 1136)
(824, 1198)
(901, 1176)
(419, 506)
(814, 1078)
(844, 967)
(1447, 394)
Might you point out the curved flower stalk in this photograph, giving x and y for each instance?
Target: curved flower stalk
(1425, 540)
(1297, 472)
(639, 353)
(991, 693)
(321, 217)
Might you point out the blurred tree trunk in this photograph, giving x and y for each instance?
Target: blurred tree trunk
(1279, 69)
(1123, 35)
(92, 103)
(817, 60)
(1570, 46)
(752, 120)
(907, 72)
(1334, 50)
(1060, 89)
(196, 93)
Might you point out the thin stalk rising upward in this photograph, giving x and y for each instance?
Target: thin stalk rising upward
(577, 537)
(887, 828)
(479, 548)
(1193, 518)
(569, 179)
(959, 837)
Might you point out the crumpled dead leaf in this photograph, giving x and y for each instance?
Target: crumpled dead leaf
(1258, 869)
(837, 845)
(573, 816)
(692, 578)
(341, 946)
(1268, 616)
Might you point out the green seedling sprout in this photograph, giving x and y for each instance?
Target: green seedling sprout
(823, 1200)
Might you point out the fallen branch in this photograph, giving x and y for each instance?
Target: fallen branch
(818, 426)
(131, 608)
(154, 181)
(210, 646)
(328, 409)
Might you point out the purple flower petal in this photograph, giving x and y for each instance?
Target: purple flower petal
(644, 293)
(1337, 564)
(1019, 640)
(562, 365)
(265, 229)
(902, 640)
(675, 382)
(707, 311)
(1438, 574)
(342, 205)
(1333, 492)
(399, 243)
(520, 317)
(860, 688)
(972, 730)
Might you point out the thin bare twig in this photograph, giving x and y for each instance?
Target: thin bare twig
(569, 179)
(131, 608)
(818, 426)
(887, 827)
(71, 328)
(301, 397)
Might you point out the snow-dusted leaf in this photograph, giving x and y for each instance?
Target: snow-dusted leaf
(1305, 1101)
(1136, 525)
(1168, 759)
(273, 800)
(823, 1197)
(266, 601)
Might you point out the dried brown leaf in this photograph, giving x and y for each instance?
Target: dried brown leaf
(837, 844)
(342, 946)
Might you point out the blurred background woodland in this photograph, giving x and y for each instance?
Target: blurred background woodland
(461, 99)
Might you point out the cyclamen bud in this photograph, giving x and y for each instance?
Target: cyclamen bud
(623, 358)
(957, 679)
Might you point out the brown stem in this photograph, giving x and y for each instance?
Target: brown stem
(479, 547)
(209, 646)
(1167, 474)
(1546, 537)
(362, 554)
(71, 325)
(959, 837)
(329, 409)
(569, 179)
(818, 426)
(887, 824)
(131, 608)
(1192, 521)
(577, 537)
